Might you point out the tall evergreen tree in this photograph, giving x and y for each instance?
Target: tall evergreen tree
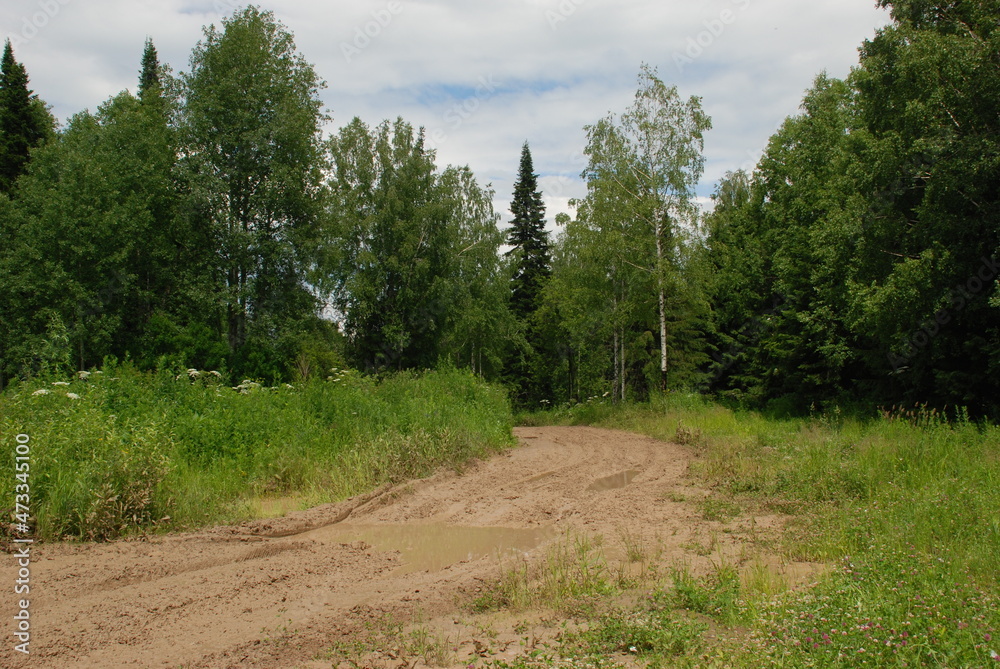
(530, 365)
(149, 76)
(22, 119)
(529, 240)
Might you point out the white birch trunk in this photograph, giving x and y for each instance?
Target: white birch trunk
(663, 304)
(614, 394)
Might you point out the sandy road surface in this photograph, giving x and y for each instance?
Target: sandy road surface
(277, 593)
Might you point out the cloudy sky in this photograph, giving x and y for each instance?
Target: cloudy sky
(483, 77)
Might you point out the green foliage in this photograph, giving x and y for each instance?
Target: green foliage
(654, 634)
(888, 608)
(24, 121)
(206, 222)
(251, 133)
(860, 261)
(96, 244)
(412, 254)
(623, 286)
(150, 85)
(572, 579)
(716, 595)
(180, 225)
(528, 239)
(120, 451)
(529, 364)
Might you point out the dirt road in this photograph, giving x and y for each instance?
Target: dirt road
(279, 593)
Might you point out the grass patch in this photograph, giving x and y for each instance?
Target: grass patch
(573, 576)
(719, 510)
(120, 451)
(886, 609)
(652, 633)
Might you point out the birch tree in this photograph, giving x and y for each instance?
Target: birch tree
(253, 152)
(652, 155)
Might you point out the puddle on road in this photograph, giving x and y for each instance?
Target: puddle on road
(435, 546)
(613, 482)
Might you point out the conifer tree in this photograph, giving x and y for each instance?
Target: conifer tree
(149, 76)
(529, 239)
(528, 368)
(22, 119)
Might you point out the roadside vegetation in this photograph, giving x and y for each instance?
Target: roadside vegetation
(904, 508)
(120, 451)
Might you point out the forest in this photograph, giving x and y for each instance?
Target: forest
(208, 222)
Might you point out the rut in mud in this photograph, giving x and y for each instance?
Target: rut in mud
(277, 593)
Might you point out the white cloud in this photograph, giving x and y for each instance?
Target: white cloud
(560, 64)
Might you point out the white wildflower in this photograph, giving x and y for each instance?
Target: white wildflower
(216, 374)
(72, 396)
(83, 375)
(43, 391)
(61, 384)
(246, 386)
(289, 386)
(193, 373)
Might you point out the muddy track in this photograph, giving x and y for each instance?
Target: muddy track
(277, 593)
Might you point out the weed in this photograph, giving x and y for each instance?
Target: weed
(716, 595)
(645, 633)
(635, 547)
(432, 648)
(675, 496)
(719, 510)
(143, 451)
(572, 576)
(686, 435)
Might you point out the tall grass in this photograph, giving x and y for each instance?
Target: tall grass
(122, 450)
(905, 506)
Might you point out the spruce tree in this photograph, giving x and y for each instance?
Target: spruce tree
(22, 120)
(528, 367)
(149, 76)
(529, 239)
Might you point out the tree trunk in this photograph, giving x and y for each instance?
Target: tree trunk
(622, 358)
(663, 305)
(614, 394)
(572, 373)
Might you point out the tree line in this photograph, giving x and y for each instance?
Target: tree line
(206, 221)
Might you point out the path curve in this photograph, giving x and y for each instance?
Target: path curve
(275, 593)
